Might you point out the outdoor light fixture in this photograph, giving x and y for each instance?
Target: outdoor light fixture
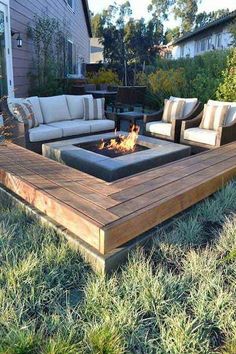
(18, 39)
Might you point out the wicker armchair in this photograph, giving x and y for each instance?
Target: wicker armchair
(155, 127)
(202, 139)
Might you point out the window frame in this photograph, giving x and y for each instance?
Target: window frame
(70, 65)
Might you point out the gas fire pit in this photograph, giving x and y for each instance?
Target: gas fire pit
(95, 156)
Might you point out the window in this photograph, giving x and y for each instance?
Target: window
(182, 51)
(70, 3)
(218, 40)
(69, 57)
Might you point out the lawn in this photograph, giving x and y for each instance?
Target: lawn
(178, 296)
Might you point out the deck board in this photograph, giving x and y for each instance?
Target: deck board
(106, 215)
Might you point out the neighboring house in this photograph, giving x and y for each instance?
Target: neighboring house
(15, 16)
(213, 36)
(96, 51)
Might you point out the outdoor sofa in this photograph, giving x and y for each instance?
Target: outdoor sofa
(155, 126)
(200, 139)
(59, 117)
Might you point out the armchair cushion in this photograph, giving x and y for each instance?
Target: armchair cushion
(159, 127)
(172, 110)
(44, 132)
(199, 135)
(72, 127)
(76, 105)
(231, 115)
(190, 103)
(54, 109)
(94, 108)
(35, 104)
(214, 117)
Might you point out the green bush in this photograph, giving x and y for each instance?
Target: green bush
(103, 77)
(191, 77)
(227, 89)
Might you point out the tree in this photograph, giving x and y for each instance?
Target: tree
(203, 17)
(186, 10)
(171, 34)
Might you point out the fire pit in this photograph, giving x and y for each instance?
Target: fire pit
(97, 156)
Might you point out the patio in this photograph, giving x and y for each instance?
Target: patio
(111, 214)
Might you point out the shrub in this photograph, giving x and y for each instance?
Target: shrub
(103, 77)
(227, 89)
(191, 77)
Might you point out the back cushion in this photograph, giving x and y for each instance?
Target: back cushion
(76, 105)
(54, 109)
(231, 115)
(35, 105)
(190, 103)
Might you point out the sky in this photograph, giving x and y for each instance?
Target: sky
(139, 7)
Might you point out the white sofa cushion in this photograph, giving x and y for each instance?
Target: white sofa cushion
(34, 101)
(190, 103)
(76, 105)
(72, 127)
(199, 135)
(101, 124)
(54, 109)
(44, 132)
(159, 128)
(231, 115)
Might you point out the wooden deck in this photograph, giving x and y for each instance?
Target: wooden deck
(107, 215)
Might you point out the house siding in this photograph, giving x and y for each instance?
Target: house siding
(22, 15)
(188, 48)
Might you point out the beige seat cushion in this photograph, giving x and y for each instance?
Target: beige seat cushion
(76, 105)
(199, 135)
(54, 109)
(214, 116)
(161, 128)
(73, 127)
(231, 115)
(172, 110)
(190, 103)
(101, 125)
(44, 132)
(35, 104)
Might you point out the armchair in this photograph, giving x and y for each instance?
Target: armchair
(155, 127)
(203, 139)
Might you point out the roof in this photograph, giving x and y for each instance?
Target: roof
(226, 18)
(87, 16)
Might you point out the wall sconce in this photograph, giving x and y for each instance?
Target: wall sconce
(18, 39)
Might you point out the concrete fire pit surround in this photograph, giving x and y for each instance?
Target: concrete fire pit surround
(159, 152)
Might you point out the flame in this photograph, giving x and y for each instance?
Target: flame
(122, 143)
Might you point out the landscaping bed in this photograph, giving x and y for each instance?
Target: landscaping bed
(178, 296)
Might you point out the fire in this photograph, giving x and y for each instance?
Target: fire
(122, 143)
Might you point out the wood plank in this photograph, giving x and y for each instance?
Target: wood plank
(150, 185)
(125, 229)
(169, 168)
(131, 206)
(57, 210)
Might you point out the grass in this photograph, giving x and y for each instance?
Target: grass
(176, 297)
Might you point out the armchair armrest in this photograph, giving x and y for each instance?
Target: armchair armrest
(152, 117)
(192, 123)
(226, 134)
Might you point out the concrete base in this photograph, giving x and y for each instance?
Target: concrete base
(99, 263)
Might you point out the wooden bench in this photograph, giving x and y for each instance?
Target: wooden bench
(107, 215)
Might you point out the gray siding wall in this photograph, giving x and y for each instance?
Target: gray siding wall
(22, 13)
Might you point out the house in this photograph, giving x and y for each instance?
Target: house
(96, 51)
(213, 36)
(16, 46)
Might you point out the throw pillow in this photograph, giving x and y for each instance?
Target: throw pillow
(172, 110)
(23, 112)
(94, 108)
(213, 117)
